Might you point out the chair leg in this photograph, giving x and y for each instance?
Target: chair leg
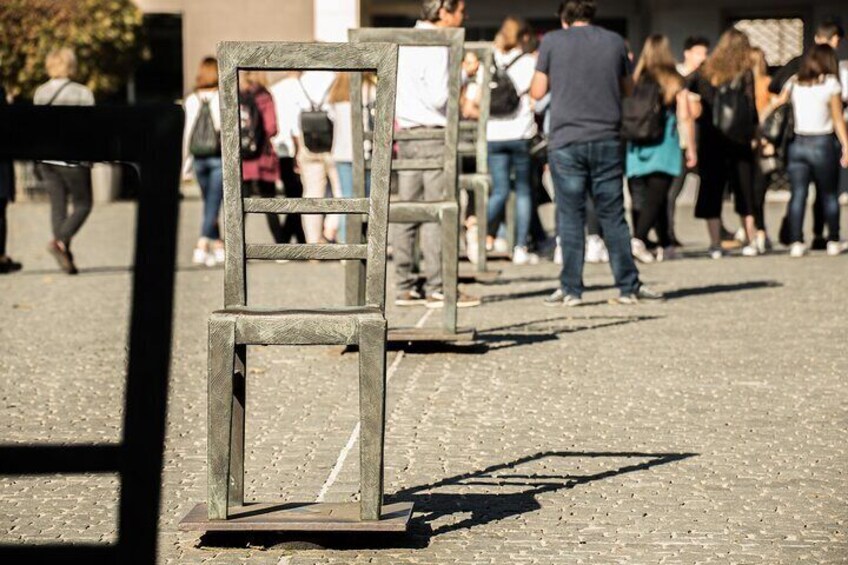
(481, 204)
(219, 415)
(354, 270)
(450, 265)
(236, 490)
(372, 415)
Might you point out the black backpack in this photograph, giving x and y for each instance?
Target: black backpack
(205, 141)
(316, 127)
(252, 133)
(505, 99)
(734, 114)
(643, 115)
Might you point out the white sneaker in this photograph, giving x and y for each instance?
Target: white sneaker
(640, 252)
(500, 246)
(595, 249)
(219, 255)
(741, 235)
(836, 247)
(716, 252)
(750, 250)
(210, 260)
(199, 256)
(520, 256)
(797, 249)
(763, 243)
(471, 247)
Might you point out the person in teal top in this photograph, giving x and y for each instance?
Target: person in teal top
(652, 168)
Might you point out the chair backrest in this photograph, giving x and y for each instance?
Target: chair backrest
(236, 56)
(450, 38)
(486, 55)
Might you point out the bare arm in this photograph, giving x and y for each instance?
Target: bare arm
(684, 117)
(539, 86)
(839, 126)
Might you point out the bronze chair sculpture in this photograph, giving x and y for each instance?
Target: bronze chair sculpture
(238, 325)
(444, 212)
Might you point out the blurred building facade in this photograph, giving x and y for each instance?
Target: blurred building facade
(181, 32)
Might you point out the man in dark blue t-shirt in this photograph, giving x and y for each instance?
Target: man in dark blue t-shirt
(586, 68)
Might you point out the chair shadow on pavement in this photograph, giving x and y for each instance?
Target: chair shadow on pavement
(720, 289)
(494, 493)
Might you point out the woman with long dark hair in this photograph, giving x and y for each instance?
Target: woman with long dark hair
(820, 144)
(727, 127)
(651, 168)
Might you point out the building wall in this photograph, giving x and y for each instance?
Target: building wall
(206, 22)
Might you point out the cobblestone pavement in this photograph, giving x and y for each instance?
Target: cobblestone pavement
(707, 429)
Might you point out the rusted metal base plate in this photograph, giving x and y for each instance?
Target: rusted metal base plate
(474, 276)
(299, 517)
(419, 335)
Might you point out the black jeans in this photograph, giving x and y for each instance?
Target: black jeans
(3, 228)
(653, 192)
(293, 188)
(64, 184)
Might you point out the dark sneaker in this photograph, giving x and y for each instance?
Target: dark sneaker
(559, 298)
(409, 298)
(63, 258)
(436, 299)
(7, 265)
(644, 293)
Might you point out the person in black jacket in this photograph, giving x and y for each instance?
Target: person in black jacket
(7, 195)
(828, 33)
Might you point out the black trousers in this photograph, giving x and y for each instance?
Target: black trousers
(293, 188)
(3, 227)
(64, 185)
(652, 191)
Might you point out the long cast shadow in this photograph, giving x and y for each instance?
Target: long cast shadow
(507, 491)
(720, 289)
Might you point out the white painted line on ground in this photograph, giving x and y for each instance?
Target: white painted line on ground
(354, 435)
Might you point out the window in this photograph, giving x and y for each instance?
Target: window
(780, 39)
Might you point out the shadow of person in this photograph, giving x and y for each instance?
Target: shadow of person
(720, 289)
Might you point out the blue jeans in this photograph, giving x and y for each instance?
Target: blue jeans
(345, 172)
(207, 171)
(504, 156)
(594, 168)
(814, 158)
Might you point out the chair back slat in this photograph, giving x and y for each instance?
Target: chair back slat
(306, 206)
(306, 251)
(378, 57)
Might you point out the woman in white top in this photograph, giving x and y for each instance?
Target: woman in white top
(66, 182)
(202, 154)
(815, 153)
(510, 129)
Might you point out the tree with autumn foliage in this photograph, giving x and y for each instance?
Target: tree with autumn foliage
(104, 34)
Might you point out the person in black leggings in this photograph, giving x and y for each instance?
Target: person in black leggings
(7, 194)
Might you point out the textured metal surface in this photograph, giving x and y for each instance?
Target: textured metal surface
(306, 517)
(452, 39)
(149, 137)
(239, 325)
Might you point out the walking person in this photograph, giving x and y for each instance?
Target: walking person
(314, 152)
(695, 52)
(260, 168)
(819, 147)
(422, 97)
(586, 68)
(7, 195)
(654, 163)
(727, 127)
(66, 182)
(286, 93)
(202, 151)
(510, 130)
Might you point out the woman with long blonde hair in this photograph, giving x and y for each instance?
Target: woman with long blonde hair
(651, 168)
(727, 127)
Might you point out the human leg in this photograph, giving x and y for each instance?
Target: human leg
(799, 177)
(410, 189)
(570, 174)
(78, 183)
(523, 195)
(499, 163)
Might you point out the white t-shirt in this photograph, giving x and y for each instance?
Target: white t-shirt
(290, 99)
(522, 125)
(811, 105)
(422, 84)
